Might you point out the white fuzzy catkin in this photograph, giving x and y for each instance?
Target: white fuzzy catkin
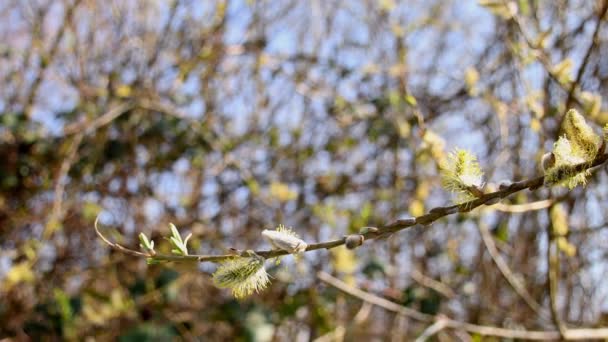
(285, 239)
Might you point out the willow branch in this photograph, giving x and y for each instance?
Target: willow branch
(116, 245)
(382, 231)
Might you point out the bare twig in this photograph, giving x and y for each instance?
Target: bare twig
(440, 324)
(552, 282)
(400, 224)
(588, 230)
(30, 98)
(334, 335)
(431, 283)
(373, 299)
(594, 41)
(543, 57)
(116, 245)
(106, 118)
(525, 207)
(504, 269)
(571, 334)
(57, 211)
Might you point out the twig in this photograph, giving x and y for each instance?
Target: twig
(588, 230)
(363, 313)
(571, 334)
(33, 89)
(106, 118)
(506, 271)
(552, 281)
(602, 12)
(433, 329)
(116, 245)
(543, 57)
(397, 225)
(525, 207)
(334, 335)
(431, 283)
(373, 299)
(66, 165)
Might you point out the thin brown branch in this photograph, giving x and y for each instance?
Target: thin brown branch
(588, 230)
(400, 224)
(525, 207)
(543, 57)
(505, 270)
(57, 212)
(553, 271)
(30, 98)
(100, 121)
(117, 246)
(594, 41)
(373, 299)
(571, 334)
(433, 329)
(431, 283)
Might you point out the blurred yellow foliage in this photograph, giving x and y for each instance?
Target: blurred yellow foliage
(416, 208)
(19, 273)
(563, 71)
(282, 192)
(123, 90)
(344, 261)
(99, 311)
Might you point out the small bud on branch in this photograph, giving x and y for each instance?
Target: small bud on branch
(285, 239)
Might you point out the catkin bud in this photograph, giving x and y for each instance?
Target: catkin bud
(353, 241)
(548, 161)
(461, 174)
(285, 239)
(504, 184)
(581, 135)
(243, 275)
(365, 230)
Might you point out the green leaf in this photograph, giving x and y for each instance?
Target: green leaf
(145, 244)
(174, 232)
(178, 245)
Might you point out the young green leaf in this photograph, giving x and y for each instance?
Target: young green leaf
(145, 244)
(178, 245)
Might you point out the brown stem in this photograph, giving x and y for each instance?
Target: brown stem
(375, 233)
